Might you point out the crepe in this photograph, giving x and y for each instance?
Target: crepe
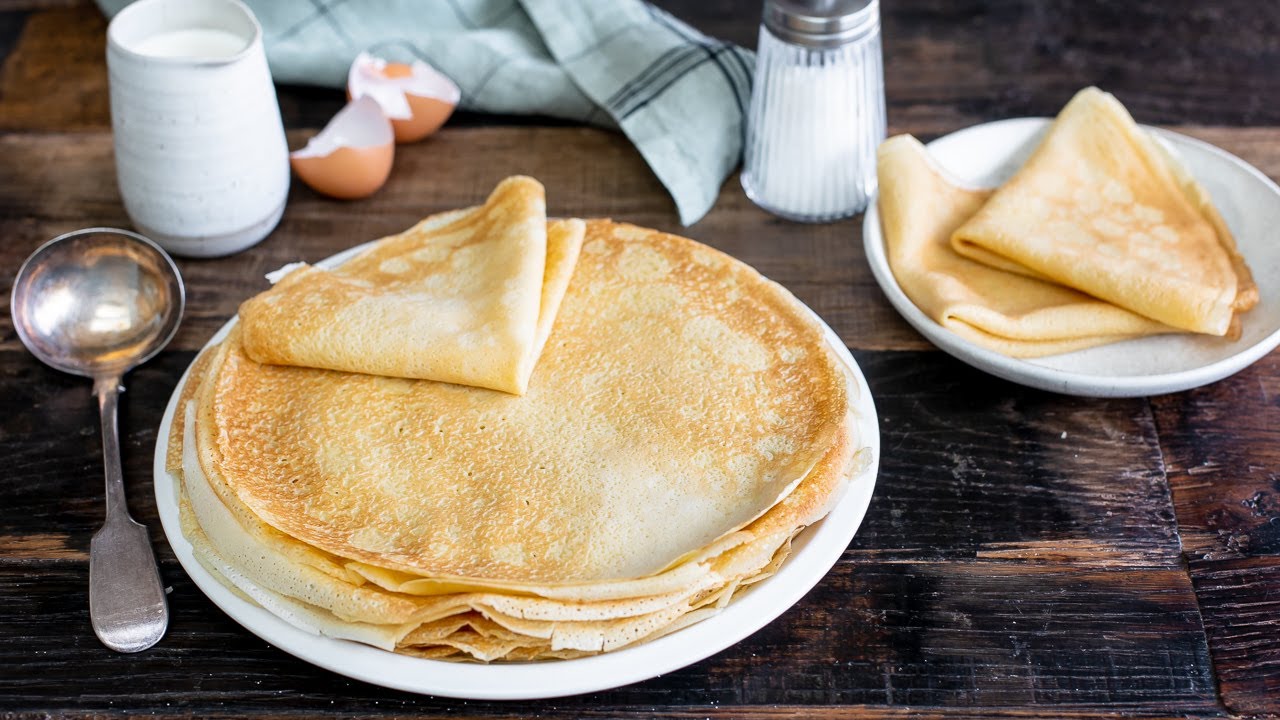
(331, 606)
(467, 297)
(281, 574)
(544, 629)
(682, 396)
(1005, 311)
(1102, 208)
(689, 418)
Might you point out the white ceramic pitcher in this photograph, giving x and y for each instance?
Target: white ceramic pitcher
(200, 151)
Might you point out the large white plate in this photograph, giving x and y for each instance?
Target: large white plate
(814, 552)
(987, 155)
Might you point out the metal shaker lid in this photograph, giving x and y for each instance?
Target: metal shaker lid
(821, 23)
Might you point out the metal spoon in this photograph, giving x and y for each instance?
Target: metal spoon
(99, 302)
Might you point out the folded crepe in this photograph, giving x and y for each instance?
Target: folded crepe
(466, 297)
(1103, 208)
(1008, 312)
(690, 417)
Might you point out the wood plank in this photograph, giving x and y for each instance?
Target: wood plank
(56, 74)
(959, 62)
(551, 711)
(1003, 571)
(928, 608)
(800, 712)
(1221, 446)
(948, 64)
(1223, 463)
(975, 467)
(1241, 608)
(966, 634)
(53, 444)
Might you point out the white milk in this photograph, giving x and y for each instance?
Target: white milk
(192, 43)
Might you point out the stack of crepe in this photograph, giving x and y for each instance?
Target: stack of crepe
(1101, 236)
(496, 436)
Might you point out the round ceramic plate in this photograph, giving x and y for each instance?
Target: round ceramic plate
(814, 551)
(987, 155)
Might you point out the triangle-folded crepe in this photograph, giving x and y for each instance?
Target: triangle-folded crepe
(1103, 208)
(465, 297)
(1007, 312)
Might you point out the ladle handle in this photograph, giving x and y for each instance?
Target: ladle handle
(126, 599)
(108, 392)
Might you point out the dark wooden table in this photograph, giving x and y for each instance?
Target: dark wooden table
(1025, 553)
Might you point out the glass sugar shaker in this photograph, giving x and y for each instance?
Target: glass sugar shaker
(817, 109)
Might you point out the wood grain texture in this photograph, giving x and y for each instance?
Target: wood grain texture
(56, 73)
(1039, 478)
(951, 63)
(1224, 464)
(911, 616)
(1025, 555)
(1241, 607)
(910, 635)
(1222, 451)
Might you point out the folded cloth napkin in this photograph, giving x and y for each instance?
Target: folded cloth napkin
(1102, 207)
(466, 297)
(677, 94)
(1006, 311)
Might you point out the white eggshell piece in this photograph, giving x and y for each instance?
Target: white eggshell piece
(360, 124)
(368, 79)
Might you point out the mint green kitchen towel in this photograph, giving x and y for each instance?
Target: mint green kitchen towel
(679, 95)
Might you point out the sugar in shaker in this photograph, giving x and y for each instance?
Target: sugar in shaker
(817, 109)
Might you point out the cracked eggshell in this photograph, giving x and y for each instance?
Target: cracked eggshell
(351, 157)
(416, 97)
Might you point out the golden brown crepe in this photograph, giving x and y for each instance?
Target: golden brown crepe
(660, 342)
(1008, 312)
(467, 297)
(688, 419)
(1101, 207)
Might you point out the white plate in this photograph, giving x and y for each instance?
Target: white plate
(987, 155)
(814, 552)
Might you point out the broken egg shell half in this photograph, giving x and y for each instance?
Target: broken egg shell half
(416, 97)
(351, 157)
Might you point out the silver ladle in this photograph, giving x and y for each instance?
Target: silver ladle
(97, 303)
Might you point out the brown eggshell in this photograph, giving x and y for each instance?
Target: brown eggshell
(347, 173)
(351, 157)
(428, 115)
